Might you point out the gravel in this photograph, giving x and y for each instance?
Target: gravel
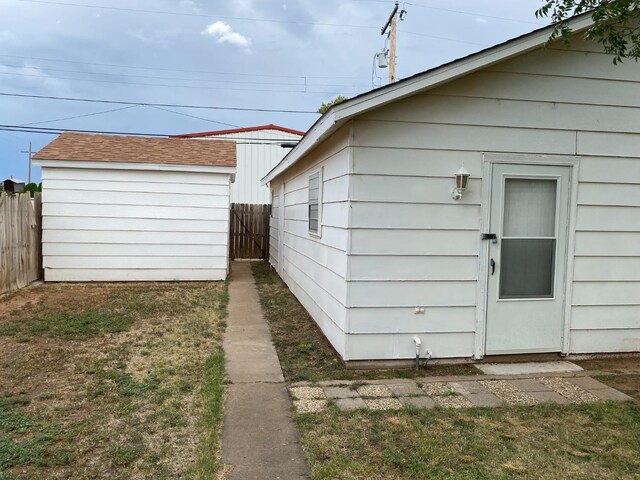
(437, 389)
(310, 406)
(308, 393)
(572, 392)
(511, 394)
(383, 403)
(375, 391)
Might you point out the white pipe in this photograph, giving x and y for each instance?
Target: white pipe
(418, 343)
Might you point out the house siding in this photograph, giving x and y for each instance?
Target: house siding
(412, 245)
(257, 153)
(127, 225)
(397, 240)
(315, 268)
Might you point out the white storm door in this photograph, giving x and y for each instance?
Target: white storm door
(527, 259)
(281, 210)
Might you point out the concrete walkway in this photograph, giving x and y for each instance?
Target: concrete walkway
(259, 439)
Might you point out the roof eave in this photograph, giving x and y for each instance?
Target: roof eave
(340, 113)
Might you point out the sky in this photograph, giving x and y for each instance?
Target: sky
(280, 55)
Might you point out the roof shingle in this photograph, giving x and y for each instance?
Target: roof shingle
(114, 148)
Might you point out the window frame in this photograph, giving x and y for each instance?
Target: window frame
(312, 233)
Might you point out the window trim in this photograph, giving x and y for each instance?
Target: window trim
(317, 234)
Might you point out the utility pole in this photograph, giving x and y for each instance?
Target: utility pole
(392, 25)
(29, 152)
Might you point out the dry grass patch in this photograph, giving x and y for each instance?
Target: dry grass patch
(304, 353)
(111, 380)
(540, 442)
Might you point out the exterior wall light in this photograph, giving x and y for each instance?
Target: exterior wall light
(462, 179)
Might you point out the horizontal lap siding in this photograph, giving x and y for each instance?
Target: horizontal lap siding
(109, 225)
(315, 269)
(412, 245)
(606, 299)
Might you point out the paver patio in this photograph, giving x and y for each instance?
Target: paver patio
(454, 392)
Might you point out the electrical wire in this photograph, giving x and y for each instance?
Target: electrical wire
(57, 131)
(211, 72)
(196, 87)
(194, 116)
(153, 77)
(196, 15)
(79, 116)
(169, 105)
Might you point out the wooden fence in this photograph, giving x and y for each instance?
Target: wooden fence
(20, 240)
(249, 231)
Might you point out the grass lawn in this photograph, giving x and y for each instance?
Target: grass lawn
(304, 353)
(120, 381)
(539, 442)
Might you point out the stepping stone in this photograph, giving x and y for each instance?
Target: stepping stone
(405, 389)
(468, 388)
(527, 368)
(484, 400)
(569, 390)
(418, 402)
(340, 392)
(549, 397)
(587, 383)
(348, 404)
(611, 394)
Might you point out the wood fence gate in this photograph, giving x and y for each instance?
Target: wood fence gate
(249, 231)
(20, 245)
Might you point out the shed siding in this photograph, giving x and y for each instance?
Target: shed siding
(412, 245)
(257, 153)
(315, 268)
(117, 225)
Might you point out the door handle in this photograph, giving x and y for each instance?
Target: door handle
(493, 266)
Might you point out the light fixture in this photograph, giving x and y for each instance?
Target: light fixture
(462, 179)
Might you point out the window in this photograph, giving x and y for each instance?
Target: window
(315, 202)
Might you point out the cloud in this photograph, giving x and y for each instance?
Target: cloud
(225, 34)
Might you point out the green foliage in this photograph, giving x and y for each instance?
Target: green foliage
(32, 188)
(324, 108)
(615, 26)
(24, 440)
(68, 325)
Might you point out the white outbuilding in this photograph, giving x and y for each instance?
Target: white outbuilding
(119, 208)
(259, 149)
(382, 236)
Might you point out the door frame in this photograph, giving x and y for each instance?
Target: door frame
(488, 161)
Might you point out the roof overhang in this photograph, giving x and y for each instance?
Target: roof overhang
(135, 166)
(339, 114)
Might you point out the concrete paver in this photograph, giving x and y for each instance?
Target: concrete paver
(347, 404)
(259, 439)
(405, 389)
(484, 400)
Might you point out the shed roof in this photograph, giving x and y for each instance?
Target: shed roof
(338, 115)
(121, 149)
(214, 133)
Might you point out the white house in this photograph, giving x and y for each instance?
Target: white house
(133, 209)
(259, 149)
(366, 232)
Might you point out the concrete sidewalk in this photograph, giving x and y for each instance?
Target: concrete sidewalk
(259, 439)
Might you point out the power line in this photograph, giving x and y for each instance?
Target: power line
(57, 131)
(221, 17)
(197, 87)
(196, 15)
(169, 105)
(133, 67)
(79, 116)
(194, 116)
(153, 77)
